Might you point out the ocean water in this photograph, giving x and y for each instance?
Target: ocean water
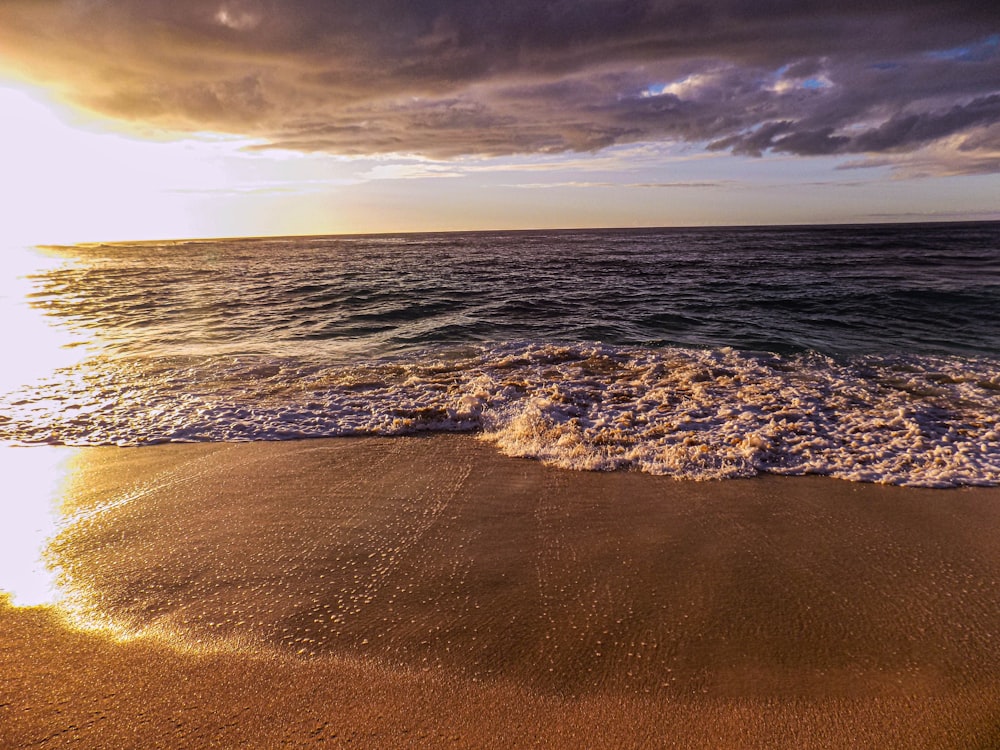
(869, 353)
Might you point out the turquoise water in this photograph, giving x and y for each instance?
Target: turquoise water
(871, 353)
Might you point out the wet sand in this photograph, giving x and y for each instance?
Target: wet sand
(427, 592)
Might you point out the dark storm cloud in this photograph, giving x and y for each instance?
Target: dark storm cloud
(454, 77)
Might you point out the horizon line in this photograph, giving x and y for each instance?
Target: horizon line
(526, 230)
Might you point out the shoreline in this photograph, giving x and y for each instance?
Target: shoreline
(429, 582)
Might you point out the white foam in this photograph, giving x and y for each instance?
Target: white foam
(685, 413)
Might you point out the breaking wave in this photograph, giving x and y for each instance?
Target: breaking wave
(688, 413)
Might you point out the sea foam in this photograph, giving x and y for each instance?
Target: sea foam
(681, 412)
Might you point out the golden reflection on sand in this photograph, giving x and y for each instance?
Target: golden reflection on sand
(34, 480)
(437, 553)
(422, 592)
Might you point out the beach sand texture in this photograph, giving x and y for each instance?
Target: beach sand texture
(427, 592)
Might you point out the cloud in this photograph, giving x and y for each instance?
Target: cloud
(450, 78)
(947, 158)
(616, 185)
(411, 171)
(241, 15)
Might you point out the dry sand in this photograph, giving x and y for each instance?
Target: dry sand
(425, 592)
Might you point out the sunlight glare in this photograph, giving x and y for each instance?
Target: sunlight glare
(35, 346)
(69, 180)
(34, 479)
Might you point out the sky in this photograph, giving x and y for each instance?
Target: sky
(155, 119)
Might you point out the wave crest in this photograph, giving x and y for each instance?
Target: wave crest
(686, 413)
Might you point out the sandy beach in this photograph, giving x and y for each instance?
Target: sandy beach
(428, 592)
